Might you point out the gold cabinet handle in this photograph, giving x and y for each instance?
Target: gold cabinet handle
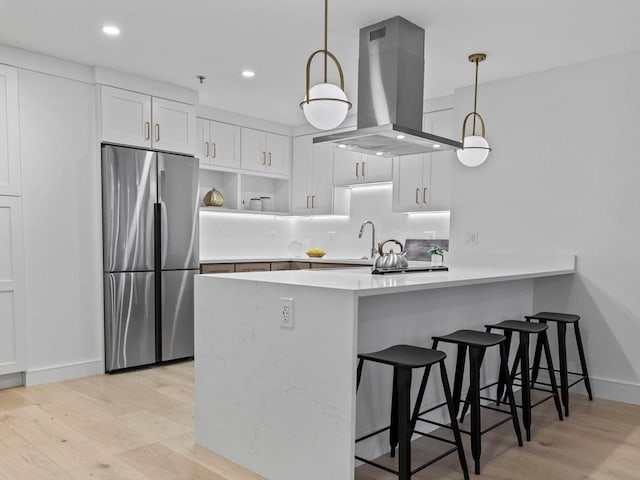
(358, 170)
(307, 201)
(313, 201)
(424, 195)
(264, 158)
(215, 149)
(418, 196)
(206, 149)
(157, 132)
(363, 174)
(269, 159)
(147, 130)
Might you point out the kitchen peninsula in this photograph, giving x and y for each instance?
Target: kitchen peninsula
(278, 397)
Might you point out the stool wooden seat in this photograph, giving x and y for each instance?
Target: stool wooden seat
(562, 320)
(403, 359)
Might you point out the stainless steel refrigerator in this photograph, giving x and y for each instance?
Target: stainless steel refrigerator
(150, 241)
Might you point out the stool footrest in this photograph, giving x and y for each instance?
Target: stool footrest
(369, 435)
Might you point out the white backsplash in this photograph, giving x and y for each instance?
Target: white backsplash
(245, 235)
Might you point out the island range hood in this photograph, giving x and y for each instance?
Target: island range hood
(390, 94)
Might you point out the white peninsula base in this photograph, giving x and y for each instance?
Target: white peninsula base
(281, 401)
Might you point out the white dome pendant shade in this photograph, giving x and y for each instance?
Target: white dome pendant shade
(325, 105)
(327, 108)
(475, 148)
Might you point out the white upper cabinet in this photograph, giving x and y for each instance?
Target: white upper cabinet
(265, 152)
(352, 168)
(312, 177)
(218, 143)
(9, 132)
(423, 182)
(132, 118)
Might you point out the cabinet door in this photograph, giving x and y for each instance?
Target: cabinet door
(408, 189)
(126, 117)
(375, 169)
(224, 149)
(440, 174)
(253, 267)
(12, 289)
(174, 126)
(217, 268)
(253, 152)
(278, 153)
(9, 132)
(347, 167)
(322, 180)
(203, 140)
(301, 172)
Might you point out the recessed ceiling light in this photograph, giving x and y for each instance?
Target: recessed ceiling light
(436, 145)
(379, 153)
(400, 137)
(342, 145)
(248, 73)
(111, 30)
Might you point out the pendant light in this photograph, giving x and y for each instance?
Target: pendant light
(475, 148)
(325, 105)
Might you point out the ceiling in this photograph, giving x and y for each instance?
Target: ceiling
(175, 40)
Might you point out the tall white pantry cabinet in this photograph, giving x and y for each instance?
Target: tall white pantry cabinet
(13, 328)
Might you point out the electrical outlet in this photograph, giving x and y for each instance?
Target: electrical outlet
(332, 235)
(286, 312)
(429, 234)
(471, 238)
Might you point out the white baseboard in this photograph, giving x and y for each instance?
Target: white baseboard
(11, 380)
(63, 372)
(617, 390)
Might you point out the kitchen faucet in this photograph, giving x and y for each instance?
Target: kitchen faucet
(373, 236)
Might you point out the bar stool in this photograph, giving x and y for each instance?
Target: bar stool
(525, 330)
(403, 359)
(476, 343)
(562, 319)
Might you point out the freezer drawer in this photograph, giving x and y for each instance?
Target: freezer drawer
(177, 314)
(129, 326)
(178, 198)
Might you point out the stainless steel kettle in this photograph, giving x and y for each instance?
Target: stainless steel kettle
(390, 260)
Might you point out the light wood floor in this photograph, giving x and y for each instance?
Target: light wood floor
(139, 426)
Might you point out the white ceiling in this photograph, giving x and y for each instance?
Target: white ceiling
(174, 40)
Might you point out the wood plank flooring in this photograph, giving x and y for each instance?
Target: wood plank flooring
(139, 426)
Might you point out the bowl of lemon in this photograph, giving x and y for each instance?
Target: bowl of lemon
(316, 253)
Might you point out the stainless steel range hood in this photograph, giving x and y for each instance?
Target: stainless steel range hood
(390, 91)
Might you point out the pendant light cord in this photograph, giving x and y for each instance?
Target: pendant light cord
(475, 99)
(326, 21)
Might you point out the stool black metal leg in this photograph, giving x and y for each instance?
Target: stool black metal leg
(416, 408)
(552, 375)
(536, 359)
(468, 398)
(393, 427)
(403, 385)
(583, 361)
(501, 380)
(454, 422)
(475, 359)
(523, 354)
(509, 386)
(359, 376)
(459, 375)
(564, 375)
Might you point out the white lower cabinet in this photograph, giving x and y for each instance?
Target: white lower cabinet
(9, 132)
(312, 177)
(13, 322)
(351, 168)
(132, 118)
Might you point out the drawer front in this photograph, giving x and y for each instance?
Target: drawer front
(217, 268)
(280, 266)
(253, 267)
(300, 265)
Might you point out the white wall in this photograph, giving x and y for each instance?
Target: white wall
(257, 235)
(563, 178)
(62, 244)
